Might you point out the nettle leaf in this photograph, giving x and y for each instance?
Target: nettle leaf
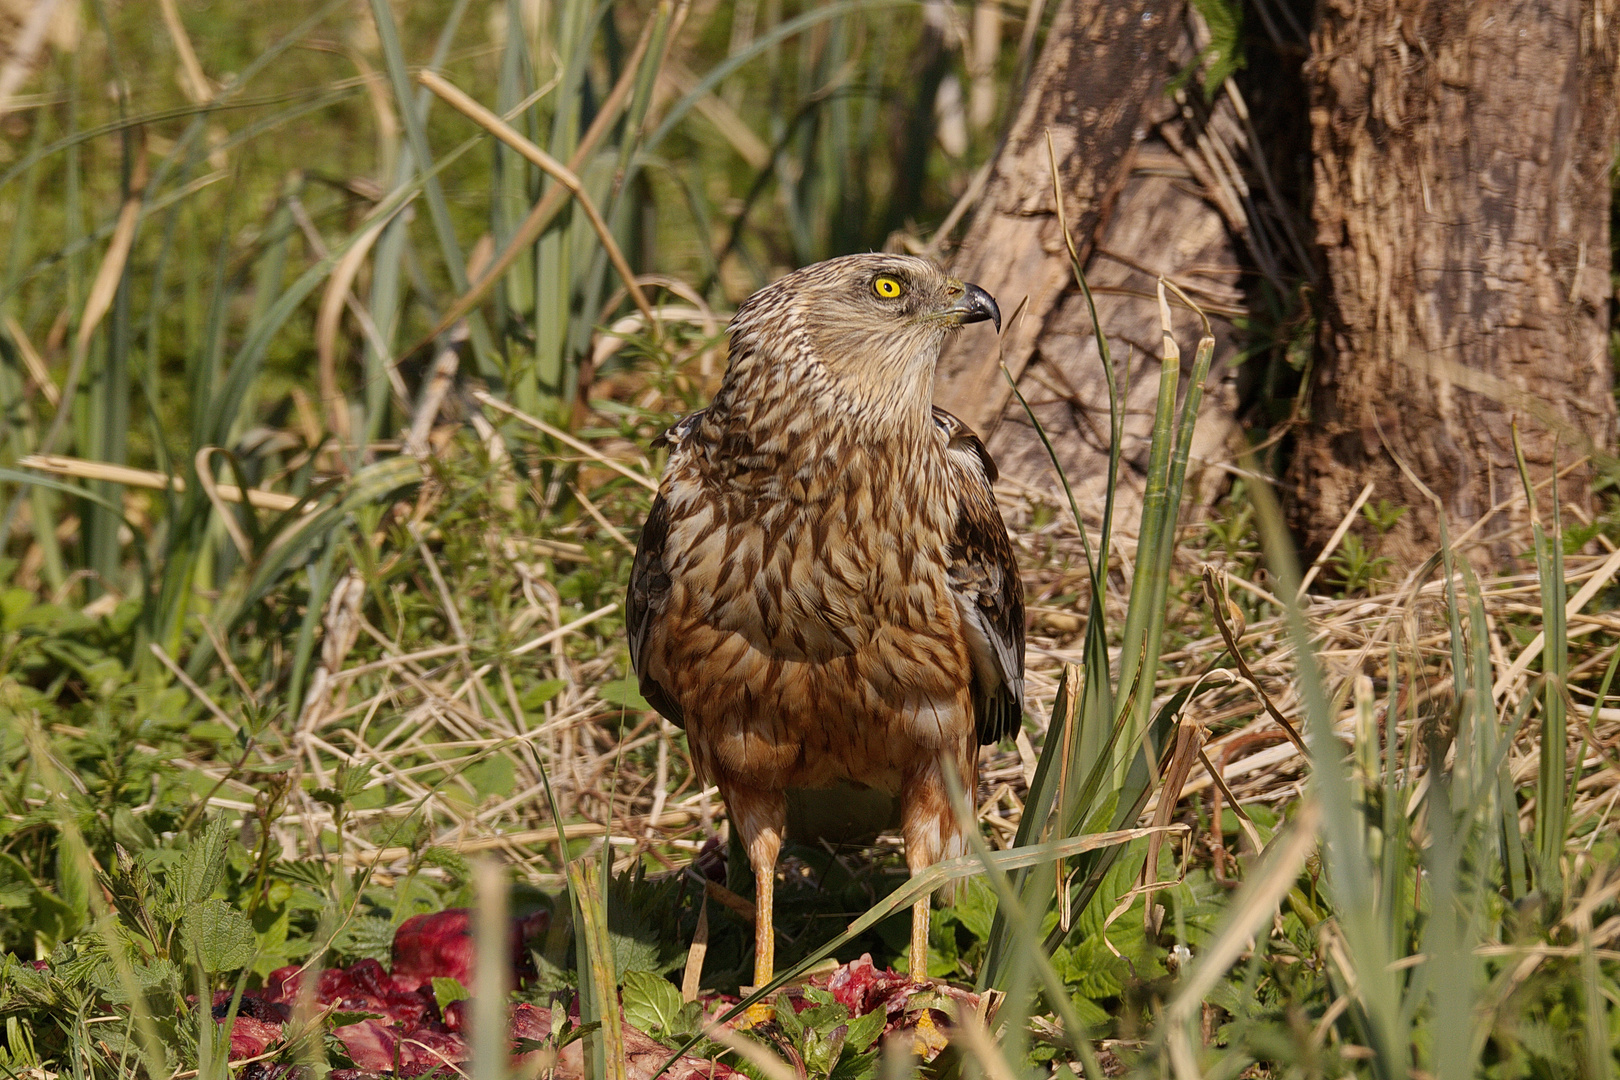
(569, 1033)
(453, 863)
(218, 936)
(787, 1018)
(822, 1048)
(824, 1018)
(864, 1030)
(194, 876)
(351, 780)
(446, 990)
(651, 1002)
(337, 1052)
(367, 936)
(157, 975)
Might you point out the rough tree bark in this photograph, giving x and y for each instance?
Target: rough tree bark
(1141, 183)
(1462, 198)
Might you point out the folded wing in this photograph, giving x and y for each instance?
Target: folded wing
(989, 593)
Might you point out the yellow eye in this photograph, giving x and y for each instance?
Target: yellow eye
(887, 287)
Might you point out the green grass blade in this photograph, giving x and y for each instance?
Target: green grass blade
(1350, 874)
(1551, 798)
(428, 170)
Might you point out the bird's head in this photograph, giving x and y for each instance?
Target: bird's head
(872, 323)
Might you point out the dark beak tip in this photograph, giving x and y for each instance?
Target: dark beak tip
(982, 306)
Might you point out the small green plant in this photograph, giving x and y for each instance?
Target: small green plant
(1358, 565)
(1382, 515)
(1358, 569)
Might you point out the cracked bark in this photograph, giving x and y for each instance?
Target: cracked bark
(1462, 208)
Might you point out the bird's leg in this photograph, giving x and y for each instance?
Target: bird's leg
(758, 816)
(932, 833)
(917, 962)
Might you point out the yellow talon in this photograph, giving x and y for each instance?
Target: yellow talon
(926, 1038)
(757, 1014)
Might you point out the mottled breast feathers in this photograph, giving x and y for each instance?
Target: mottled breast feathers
(982, 575)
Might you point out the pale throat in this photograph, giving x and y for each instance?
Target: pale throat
(891, 392)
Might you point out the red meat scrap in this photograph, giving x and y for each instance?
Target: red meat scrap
(250, 1037)
(378, 1047)
(860, 987)
(364, 987)
(643, 1055)
(441, 945)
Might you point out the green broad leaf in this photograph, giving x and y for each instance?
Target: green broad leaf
(272, 924)
(824, 1018)
(625, 693)
(651, 1002)
(352, 779)
(446, 990)
(194, 877)
(975, 907)
(787, 1018)
(1093, 1015)
(535, 698)
(218, 936)
(17, 888)
(822, 1048)
(367, 936)
(494, 775)
(343, 1018)
(452, 862)
(864, 1030)
(131, 831)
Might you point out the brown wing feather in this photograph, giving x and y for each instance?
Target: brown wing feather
(649, 587)
(989, 592)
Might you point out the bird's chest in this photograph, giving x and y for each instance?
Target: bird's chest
(811, 573)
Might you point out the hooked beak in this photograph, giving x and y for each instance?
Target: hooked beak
(973, 305)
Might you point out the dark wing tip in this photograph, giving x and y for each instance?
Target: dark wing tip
(672, 436)
(649, 586)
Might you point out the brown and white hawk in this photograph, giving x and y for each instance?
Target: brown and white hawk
(824, 591)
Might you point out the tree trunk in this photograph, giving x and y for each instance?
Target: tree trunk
(1150, 187)
(1462, 200)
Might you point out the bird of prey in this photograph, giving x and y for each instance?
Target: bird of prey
(824, 591)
